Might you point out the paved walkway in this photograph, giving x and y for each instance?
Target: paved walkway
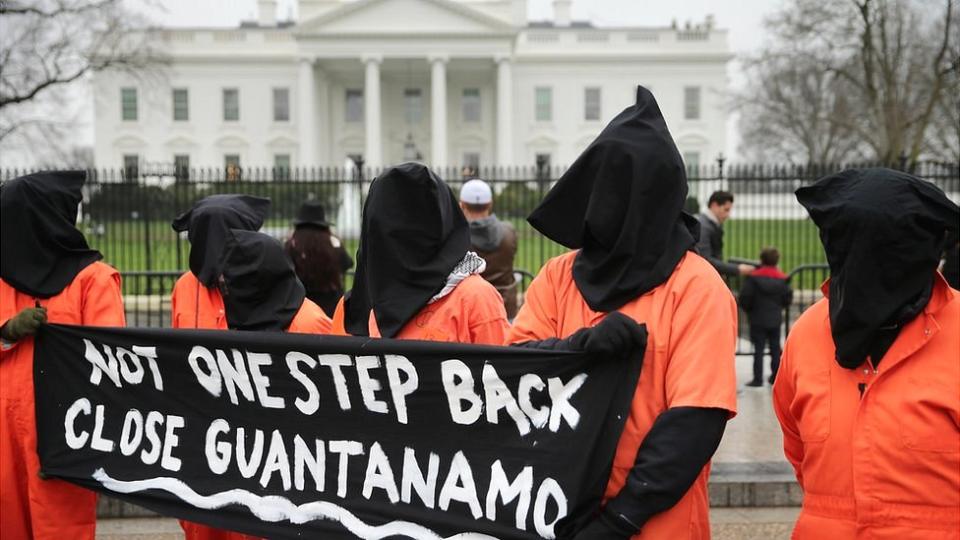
(754, 434)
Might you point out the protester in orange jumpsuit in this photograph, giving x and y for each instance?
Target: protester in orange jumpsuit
(196, 300)
(262, 292)
(868, 392)
(47, 274)
(620, 205)
(415, 277)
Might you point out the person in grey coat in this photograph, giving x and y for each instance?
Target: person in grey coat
(710, 245)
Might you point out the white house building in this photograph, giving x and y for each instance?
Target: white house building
(451, 82)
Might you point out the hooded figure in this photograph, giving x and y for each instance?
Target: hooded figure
(42, 249)
(866, 393)
(413, 262)
(883, 232)
(260, 292)
(196, 300)
(208, 225)
(621, 206)
(46, 267)
(260, 289)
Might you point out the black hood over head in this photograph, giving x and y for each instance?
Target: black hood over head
(883, 232)
(412, 236)
(621, 203)
(42, 249)
(261, 291)
(208, 226)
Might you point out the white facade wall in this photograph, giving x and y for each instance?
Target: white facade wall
(335, 43)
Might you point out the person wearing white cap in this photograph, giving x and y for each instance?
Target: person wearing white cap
(492, 239)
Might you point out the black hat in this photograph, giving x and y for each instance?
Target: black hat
(311, 213)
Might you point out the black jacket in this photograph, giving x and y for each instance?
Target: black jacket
(951, 266)
(710, 246)
(764, 295)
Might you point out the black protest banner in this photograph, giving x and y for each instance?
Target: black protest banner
(298, 436)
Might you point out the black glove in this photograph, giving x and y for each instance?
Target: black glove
(616, 335)
(606, 527)
(25, 323)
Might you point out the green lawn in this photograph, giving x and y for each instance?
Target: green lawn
(797, 240)
(153, 245)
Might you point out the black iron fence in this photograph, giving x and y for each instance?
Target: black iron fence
(126, 214)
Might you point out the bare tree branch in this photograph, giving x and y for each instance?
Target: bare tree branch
(855, 77)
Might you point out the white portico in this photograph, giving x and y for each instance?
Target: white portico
(448, 82)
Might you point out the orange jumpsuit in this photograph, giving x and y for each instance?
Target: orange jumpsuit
(195, 306)
(472, 313)
(31, 507)
(689, 362)
(884, 464)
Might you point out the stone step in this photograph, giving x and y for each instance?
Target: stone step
(754, 484)
(725, 524)
(138, 528)
(752, 523)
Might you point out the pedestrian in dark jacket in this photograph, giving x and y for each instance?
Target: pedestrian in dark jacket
(710, 245)
(764, 295)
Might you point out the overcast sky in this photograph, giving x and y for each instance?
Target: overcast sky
(742, 17)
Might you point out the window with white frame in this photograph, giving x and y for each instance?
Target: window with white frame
(691, 102)
(354, 105)
(181, 105)
(471, 165)
(231, 164)
(231, 104)
(131, 166)
(470, 104)
(181, 166)
(281, 104)
(281, 166)
(591, 104)
(128, 104)
(543, 104)
(413, 105)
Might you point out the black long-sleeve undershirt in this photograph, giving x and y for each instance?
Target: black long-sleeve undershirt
(671, 456)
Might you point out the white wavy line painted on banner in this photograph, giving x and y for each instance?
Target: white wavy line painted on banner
(275, 508)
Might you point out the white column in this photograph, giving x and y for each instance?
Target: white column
(504, 110)
(307, 115)
(324, 140)
(371, 113)
(438, 110)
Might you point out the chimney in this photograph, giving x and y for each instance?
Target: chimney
(268, 12)
(561, 12)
